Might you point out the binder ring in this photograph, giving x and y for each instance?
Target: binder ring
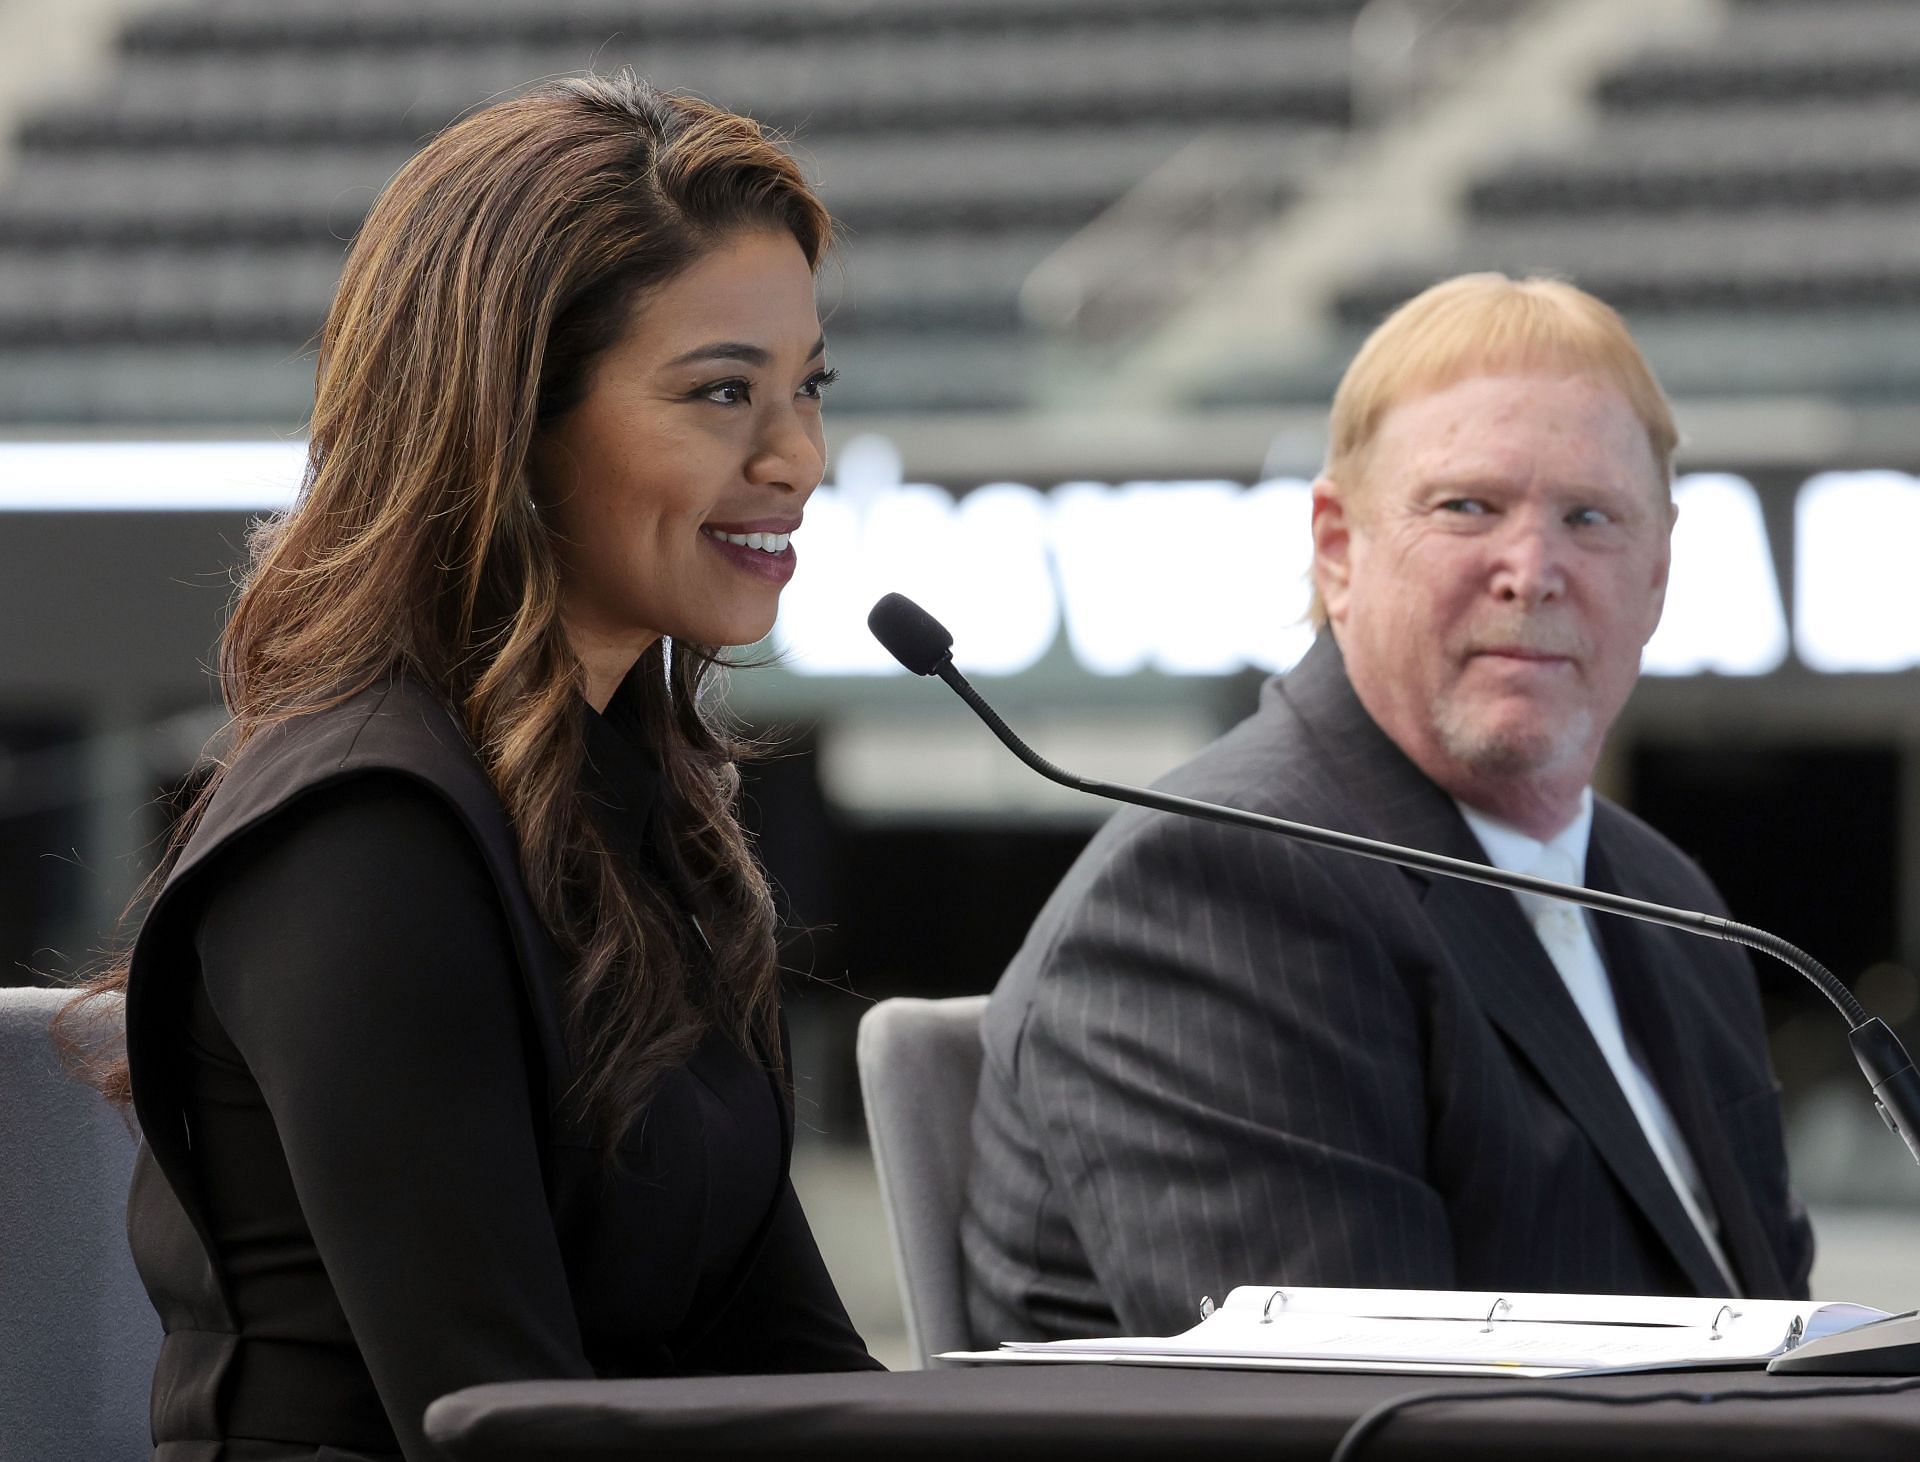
(1727, 1312)
(1497, 1306)
(1266, 1310)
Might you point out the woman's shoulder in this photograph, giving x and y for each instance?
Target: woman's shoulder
(367, 820)
(355, 855)
(391, 733)
(397, 724)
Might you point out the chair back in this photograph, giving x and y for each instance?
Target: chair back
(78, 1336)
(919, 1066)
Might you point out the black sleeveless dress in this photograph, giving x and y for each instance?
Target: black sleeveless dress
(361, 1187)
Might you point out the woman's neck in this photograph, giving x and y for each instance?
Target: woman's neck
(607, 659)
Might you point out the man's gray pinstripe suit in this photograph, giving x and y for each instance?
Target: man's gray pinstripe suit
(1223, 1058)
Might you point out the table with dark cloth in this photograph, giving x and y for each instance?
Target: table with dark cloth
(1113, 1413)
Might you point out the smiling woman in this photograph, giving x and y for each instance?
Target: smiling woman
(674, 487)
(460, 974)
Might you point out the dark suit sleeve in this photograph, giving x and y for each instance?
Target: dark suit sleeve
(787, 1317)
(357, 954)
(1227, 1070)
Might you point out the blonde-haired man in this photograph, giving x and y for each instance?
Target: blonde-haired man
(1222, 1058)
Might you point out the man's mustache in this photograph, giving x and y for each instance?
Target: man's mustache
(1530, 639)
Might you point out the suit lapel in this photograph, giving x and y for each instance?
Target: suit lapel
(1521, 992)
(1513, 979)
(1666, 1017)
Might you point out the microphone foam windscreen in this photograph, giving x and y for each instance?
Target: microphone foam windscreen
(912, 636)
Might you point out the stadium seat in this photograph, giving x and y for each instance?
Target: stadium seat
(919, 1069)
(78, 1338)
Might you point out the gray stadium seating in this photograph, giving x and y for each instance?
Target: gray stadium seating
(168, 244)
(1752, 205)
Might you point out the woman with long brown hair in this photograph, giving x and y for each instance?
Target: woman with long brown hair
(453, 1030)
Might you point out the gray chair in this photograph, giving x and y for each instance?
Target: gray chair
(78, 1337)
(919, 1068)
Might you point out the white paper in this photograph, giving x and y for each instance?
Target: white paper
(1244, 1363)
(1538, 1333)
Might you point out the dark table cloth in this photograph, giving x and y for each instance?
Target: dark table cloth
(1116, 1413)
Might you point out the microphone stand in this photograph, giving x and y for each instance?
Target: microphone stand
(924, 646)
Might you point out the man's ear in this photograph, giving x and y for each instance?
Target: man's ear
(1332, 548)
(1662, 567)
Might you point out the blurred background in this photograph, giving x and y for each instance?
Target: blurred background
(1103, 262)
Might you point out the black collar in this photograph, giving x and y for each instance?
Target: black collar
(622, 779)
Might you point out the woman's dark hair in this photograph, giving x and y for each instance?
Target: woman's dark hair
(491, 275)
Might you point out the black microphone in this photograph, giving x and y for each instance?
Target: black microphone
(923, 645)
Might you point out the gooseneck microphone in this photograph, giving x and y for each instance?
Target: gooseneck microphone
(923, 645)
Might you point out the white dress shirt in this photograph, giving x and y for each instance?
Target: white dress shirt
(1567, 934)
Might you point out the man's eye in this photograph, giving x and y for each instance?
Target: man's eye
(726, 393)
(1468, 505)
(1589, 517)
